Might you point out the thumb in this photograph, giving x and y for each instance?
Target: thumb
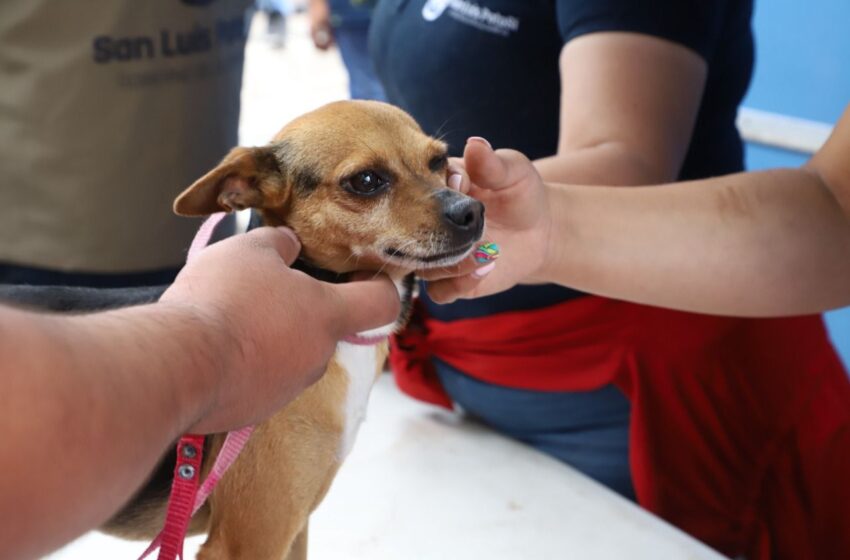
(367, 304)
(492, 170)
(281, 239)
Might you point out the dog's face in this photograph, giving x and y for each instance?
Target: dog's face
(360, 184)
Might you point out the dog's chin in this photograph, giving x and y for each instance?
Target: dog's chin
(414, 261)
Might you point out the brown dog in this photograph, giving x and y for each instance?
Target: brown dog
(365, 189)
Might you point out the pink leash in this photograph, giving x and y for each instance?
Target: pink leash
(186, 497)
(187, 471)
(364, 340)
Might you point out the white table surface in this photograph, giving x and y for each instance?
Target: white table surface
(426, 484)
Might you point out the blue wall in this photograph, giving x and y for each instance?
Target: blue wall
(803, 70)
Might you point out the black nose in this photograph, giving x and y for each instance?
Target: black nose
(465, 218)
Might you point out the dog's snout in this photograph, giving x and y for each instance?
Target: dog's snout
(465, 214)
(465, 218)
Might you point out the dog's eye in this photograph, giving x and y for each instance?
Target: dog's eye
(439, 162)
(365, 182)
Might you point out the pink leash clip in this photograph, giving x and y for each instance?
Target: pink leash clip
(184, 488)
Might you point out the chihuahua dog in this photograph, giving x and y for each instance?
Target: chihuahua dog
(365, 190)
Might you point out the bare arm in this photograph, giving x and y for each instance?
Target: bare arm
(89, 403)
(756, 244)
(628, 106)
(753, 244)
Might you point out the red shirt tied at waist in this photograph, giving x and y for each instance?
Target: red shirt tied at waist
(740, 429)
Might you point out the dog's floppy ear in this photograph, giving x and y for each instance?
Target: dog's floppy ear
(245, 178)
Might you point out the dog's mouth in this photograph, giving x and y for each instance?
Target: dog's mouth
(446, 258)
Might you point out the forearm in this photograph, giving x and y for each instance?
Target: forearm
(610, 163)
(628, 106)
(757, 244)
(119, 405)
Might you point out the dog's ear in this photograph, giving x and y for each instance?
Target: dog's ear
(245, 178)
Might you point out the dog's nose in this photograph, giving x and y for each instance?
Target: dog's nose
(465, 217)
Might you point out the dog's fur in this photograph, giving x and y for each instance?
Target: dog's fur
(317, 177)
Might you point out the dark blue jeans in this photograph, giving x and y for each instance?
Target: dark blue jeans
(588, 430)
(352, 41)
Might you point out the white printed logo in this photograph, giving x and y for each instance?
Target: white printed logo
(434, 9)
(470, 13)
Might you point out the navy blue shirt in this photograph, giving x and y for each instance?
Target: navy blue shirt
(490, 68)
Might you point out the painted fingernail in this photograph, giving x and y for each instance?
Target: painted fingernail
(484, 270)
(479, 139)
(486, 252)
(454, 181)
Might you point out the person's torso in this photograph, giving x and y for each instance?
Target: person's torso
(491, 68)
(108, 109)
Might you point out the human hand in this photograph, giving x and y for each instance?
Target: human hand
(273, 327)
(517, 220)
(320, 24)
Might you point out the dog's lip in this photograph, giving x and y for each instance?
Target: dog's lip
(427, 259)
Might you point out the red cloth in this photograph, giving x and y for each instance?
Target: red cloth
(740, 429)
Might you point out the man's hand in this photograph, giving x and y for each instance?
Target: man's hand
(237, 336)
(282, 325)
(518, 220)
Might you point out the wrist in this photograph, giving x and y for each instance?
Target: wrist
(551, 224)
(210, 350)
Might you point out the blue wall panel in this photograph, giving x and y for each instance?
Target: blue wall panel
(802, 58)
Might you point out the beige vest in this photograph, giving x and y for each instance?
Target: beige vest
(108, 109)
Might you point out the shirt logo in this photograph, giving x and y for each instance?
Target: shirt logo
(434, 9)
(472, 14)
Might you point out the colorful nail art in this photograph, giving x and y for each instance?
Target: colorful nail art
(486, 252)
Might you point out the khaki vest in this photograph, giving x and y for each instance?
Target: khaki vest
(108, 110)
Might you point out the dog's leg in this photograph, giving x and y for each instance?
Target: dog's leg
(260, 507)
(299, 547)
(254, 522)
(259, 522)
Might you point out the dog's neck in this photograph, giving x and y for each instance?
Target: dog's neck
(406, 286)
(319, 273)
(301, 264)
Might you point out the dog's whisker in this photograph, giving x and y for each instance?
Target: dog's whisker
(439, 134)
(348, 259)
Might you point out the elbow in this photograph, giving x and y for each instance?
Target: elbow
(621, 163)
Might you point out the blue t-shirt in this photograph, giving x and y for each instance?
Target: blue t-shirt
(490, 68)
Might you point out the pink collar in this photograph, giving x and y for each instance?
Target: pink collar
(365, 340)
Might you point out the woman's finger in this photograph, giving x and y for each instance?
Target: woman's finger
(451, 289)
(457, 177)
(482, 257)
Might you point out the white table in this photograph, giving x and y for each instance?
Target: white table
(423, 484)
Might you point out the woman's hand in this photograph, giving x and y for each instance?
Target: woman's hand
(518, 221)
